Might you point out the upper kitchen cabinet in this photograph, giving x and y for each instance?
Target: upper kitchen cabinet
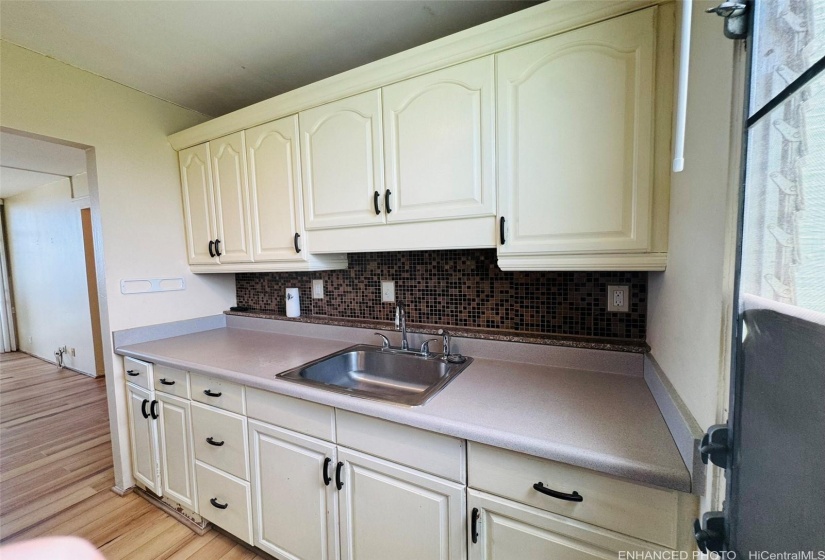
(577, 133)
(275, 189)
(198, 204)
(231, 194)
(438, 142)
(342, 162)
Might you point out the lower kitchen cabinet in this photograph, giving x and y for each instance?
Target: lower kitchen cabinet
(500, 529)
(391, 511)
(143, 435)
(177, 460)
(225, 500)
(296, 471)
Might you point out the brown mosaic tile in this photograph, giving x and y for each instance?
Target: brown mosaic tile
(459, 289)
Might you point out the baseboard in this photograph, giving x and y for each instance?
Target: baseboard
(121, 492)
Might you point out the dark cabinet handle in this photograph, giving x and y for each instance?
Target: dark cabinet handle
(212, 249)
(132, 372)
(211, 441)
(163, 381)
(474, 525)
(501, 229)
(153, 410)
(217, 504)
(143, 408)
(218, 248)
(375, 196)
(387, 201)
(209, 393)
(295, 241)
(338, 482)
(325, 471)
(574, 497)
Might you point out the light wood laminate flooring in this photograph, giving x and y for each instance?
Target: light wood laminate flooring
(56, 472)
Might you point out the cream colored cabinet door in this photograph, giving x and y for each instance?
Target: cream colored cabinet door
(274, 172)
(198, 204)
(575, 138)
(294, 500)
(507, 530)
(438, 137)
(233, 239)
(342, 162)
(177, 460)
(143, 433)
(390, 511)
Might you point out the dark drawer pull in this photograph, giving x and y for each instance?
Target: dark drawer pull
(295, 241)
(325, 471)
(387, 201)
(153, 410)
(338, 482)
(375, 196)
(132, 372)
(211, 441)
(163, 381)
(212, 249)
(217, 504)
(218, 248)
(574, 497)
(474, 526)
(209, 393)
(143, 408)
(501, 229)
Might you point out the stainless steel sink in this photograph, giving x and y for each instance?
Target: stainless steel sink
(371, 372)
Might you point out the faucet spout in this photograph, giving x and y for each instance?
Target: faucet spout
(401, 312)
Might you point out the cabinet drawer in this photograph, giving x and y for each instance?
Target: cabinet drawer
(138, 372)
(217, 392)
(216, 488)
(627, 507)
(227, 432)
(433, 453)
(294, 414)
(172, 381)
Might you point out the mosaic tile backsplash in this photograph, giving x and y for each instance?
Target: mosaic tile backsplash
(460, 289)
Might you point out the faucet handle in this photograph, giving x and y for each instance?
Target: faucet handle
(446, 334)
(385, 343)
(425, 346)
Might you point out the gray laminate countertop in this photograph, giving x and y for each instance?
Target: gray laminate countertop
(602, 421)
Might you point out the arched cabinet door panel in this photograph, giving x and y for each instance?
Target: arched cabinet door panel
(198, 204)
(233, 236)
(575, 139)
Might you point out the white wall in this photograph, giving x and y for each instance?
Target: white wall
(687, 315)
(135, 198)
(48, 269)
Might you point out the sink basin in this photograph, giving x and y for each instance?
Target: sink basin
(374, 373)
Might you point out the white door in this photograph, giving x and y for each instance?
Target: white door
(438, 137)
(575, 137)
(233, 237)
(342, 162)
(198, 204)
(177, 461)
(274, 173)
(507, 530)
(294, 500)
(390, 511)
(143, 433)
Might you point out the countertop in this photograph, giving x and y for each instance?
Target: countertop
(602, 421)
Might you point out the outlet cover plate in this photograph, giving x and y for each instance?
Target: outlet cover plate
(318, 288)
(387, 291)
(618, 299)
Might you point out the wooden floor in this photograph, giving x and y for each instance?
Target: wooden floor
(56, 471)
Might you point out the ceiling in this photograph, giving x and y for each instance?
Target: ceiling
(26, 163)
(219, 56)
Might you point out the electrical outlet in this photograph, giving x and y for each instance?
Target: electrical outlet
(618, 299)
(387, 291)
(318, 289)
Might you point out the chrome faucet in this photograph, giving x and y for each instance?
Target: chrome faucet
(446, 343)
(401, 322)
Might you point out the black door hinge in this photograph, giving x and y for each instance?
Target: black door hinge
(715, 446)
(710, 532)
(736, 18)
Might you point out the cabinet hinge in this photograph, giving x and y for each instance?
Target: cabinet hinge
(710, 532)
(736, 18)
(715, 446)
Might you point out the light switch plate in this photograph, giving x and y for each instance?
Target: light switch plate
(387, 291)
(318, 288)
(618, 299)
